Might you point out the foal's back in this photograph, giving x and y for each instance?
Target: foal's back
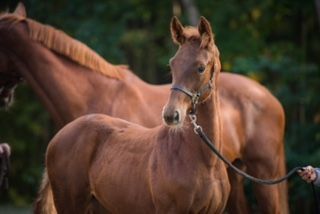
(94, 147)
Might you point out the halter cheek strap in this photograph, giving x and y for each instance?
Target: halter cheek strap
(194, 96)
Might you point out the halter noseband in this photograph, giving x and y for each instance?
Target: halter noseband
(194, 96)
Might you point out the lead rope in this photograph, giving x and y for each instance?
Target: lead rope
(199, 131)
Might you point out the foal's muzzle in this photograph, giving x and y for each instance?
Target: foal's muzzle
(172, 118)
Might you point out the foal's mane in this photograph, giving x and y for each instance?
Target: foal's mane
(65, 45)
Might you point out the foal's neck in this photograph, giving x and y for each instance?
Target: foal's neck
(184, 143)
(208, 119)
(206, 116)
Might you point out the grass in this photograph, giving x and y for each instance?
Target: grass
(9, 209)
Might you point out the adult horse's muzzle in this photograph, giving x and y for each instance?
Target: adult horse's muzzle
(8, 83)
(7, 93)
(6, 97)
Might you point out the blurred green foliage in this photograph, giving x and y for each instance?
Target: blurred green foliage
(276, 42)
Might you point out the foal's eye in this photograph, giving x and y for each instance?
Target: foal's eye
(201, 69)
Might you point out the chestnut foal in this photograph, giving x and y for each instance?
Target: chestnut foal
(102, 164)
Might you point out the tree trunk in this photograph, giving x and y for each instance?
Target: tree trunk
(191, 10)
(318, 9)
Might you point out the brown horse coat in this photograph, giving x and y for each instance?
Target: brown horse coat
(102, 164)
(252, 118)
(130, 169)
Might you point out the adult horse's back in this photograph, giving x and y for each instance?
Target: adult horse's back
(71, 80)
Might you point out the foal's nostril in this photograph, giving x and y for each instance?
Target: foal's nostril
(176, 116)
(167, 118)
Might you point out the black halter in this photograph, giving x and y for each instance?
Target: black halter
(194, 96)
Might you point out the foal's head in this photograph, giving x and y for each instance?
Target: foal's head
(194, 68)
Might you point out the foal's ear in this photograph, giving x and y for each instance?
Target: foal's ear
(205, 32)
(20, 10)
(177, 31)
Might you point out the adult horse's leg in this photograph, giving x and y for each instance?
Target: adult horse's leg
(237, 202)
(271, 199)
(265, 159)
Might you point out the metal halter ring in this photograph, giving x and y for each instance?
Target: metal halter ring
(193, 119)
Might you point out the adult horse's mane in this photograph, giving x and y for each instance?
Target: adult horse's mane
(63, 44)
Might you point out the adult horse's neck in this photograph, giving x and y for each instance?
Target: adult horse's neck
(66, 88)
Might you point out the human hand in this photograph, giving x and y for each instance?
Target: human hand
(5, 149)
(308, 174)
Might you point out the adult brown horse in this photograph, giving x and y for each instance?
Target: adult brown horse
(71, 80)
(100, 164)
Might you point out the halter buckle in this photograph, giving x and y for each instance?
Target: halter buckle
(195, 98)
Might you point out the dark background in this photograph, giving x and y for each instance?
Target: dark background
(276, 42)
